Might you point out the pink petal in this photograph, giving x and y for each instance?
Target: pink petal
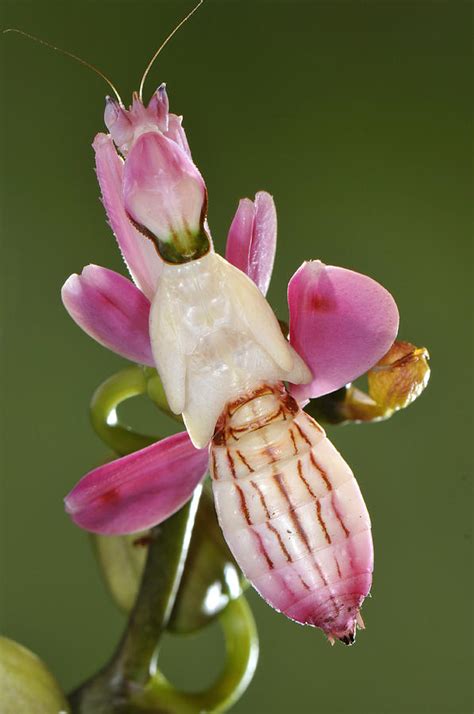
(138, 252)
(251, 242)
(109, 308)
(341, 323)
(138, 491)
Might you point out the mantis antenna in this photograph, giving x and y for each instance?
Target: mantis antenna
(150, 63)
(68, 54)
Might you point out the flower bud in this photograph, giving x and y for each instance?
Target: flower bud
(166, 197)
(26, 685)
(400, 377)
(394, 383)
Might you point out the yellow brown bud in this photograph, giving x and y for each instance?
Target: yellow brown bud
(400, 376)
(393, 383)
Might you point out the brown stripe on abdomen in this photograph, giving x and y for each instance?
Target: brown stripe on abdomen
(261, 497)
(244, 461)
(269, 525)
(300, 474)
(338, 516)
(263, 550)
(296, 522)
(214, 469)
(231, 463)
(302, 434)
(243, 505)
(293, 440)
(321, 522)
(321, 471)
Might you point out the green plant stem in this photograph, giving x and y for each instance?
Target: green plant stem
(161, 578)
(133, 663)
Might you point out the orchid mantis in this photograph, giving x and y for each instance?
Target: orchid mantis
(288, 504)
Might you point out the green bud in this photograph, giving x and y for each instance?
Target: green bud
(121, 560)
(26, 685)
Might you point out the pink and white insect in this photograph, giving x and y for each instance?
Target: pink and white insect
(288, 504)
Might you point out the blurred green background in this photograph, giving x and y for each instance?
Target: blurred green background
(355, 115)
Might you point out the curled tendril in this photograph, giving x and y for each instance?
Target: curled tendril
(130, 382)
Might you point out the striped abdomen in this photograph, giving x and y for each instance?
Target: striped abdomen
(292, 512)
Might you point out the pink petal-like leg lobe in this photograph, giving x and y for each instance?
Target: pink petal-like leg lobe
(292, 512)
(138, 251)
(111, 310)
(138, 491)
(251, 242)
(341, 324)
(240, 235)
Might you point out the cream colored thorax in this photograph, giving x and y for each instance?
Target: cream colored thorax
(215, 337)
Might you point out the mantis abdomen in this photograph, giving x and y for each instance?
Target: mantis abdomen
(291, 511)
